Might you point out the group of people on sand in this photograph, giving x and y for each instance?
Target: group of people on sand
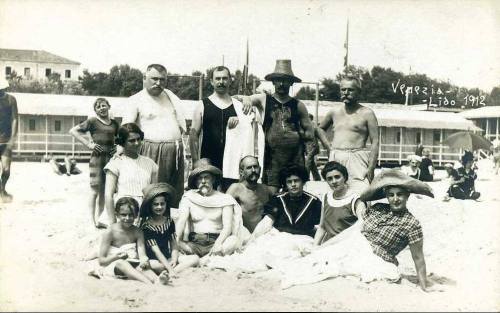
(246, 188)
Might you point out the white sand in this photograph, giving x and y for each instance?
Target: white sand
(44, 232)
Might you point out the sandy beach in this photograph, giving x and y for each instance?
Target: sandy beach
(45, 231)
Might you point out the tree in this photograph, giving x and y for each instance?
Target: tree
(306, 93)
(330, 90)
(494, 97)
(122, 81)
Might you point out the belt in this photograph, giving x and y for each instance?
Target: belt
(206, 236)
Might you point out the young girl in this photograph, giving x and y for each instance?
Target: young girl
(103, 130)
(122, 251)
(159, 231)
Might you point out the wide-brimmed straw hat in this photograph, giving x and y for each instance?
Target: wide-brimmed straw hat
(202, 168)
(394, 177)
(4, 83)
(283, 69)
(153, 190)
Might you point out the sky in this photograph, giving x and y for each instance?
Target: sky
(454, 40)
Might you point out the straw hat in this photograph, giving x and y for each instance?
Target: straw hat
(394, 177)
(202, 168)
(283, 69)
(414, 157)
(153, 190)
(4, 83)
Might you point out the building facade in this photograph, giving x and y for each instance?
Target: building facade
(37, 65)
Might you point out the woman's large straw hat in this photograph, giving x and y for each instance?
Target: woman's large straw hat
(283, 69)
(394, 177)
(153, 190)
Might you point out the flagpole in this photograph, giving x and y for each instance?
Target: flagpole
(346, 46)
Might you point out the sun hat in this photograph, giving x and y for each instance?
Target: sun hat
(414, 157)
(394, 177)
(283, 69)
(202, 168)
(153, 190)
(448, 165)
(4, 83)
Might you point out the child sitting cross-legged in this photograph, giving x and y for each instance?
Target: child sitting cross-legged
(122, 252)
(159, 231)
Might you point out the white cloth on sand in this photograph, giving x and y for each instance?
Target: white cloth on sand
(109, 270)
(240, 141)
(265, 252)
(347, 254)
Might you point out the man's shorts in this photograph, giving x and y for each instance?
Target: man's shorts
(201, 243)
(4, 151)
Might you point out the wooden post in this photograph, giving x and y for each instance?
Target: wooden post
(379, 144)
(317, 103)
(200, 88)
(46, 136)
(440, 147)
(400, 144)
(19, 133)
(487, 134)
(254, 85)
(496, 135)
(73, 138)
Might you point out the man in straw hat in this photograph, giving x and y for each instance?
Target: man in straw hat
(8, 131)
(283, 118)
(212, 219)
(352, 125)
(158, 112)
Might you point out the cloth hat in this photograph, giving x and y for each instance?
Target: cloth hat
(283, 69)
(4, 83)
(394, 177)
(202, 169)
(153, 190)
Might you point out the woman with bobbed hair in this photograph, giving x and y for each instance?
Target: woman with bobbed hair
(128, 173)
(339, 204)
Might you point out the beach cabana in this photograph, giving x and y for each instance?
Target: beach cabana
(487, 118)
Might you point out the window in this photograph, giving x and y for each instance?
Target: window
(436, 136)
(48, 71)
(67, 73)
(57, 126)
(8, 70)
(31, 124)
(27, 72)
(419, 138)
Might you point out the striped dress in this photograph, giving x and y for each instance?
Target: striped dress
(160, 236)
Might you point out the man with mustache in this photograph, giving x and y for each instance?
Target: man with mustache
(215, 115)
(249, 193)
(157, 111)
(283, 119)
(352, 125)
(209, 221)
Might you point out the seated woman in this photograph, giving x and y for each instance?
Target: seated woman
(339, 204)
(294, 211)
(369, 248)
(413, 167)
(129, 173)
(464, 188)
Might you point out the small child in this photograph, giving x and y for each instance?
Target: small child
(122, 251)
(159, 231)
(103, 130)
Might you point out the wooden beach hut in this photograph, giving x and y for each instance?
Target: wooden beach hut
(487, 118)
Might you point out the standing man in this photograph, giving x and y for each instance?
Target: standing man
(353, 124)
(284, 117)
(157, 111)
(211, 119)
(249, 193)
(8, 132)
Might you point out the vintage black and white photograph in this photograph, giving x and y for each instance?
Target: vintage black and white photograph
(218, 155)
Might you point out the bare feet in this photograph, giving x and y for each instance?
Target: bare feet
(164, 278)
(5, 197)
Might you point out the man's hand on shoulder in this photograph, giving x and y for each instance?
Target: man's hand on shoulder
(232, 122)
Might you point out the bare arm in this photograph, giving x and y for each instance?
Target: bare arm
(305, 121)
(256, 100)
(233, 191)
(194, 134)
(263, 227)
(109, 191)
(417, 254)
(359, 209)
(181, 221)
(327, 121)
(321, 135)
(104, 258)
(373, 133)
(141, 250)
(320, 233)
(227, 221)
(14, 121)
